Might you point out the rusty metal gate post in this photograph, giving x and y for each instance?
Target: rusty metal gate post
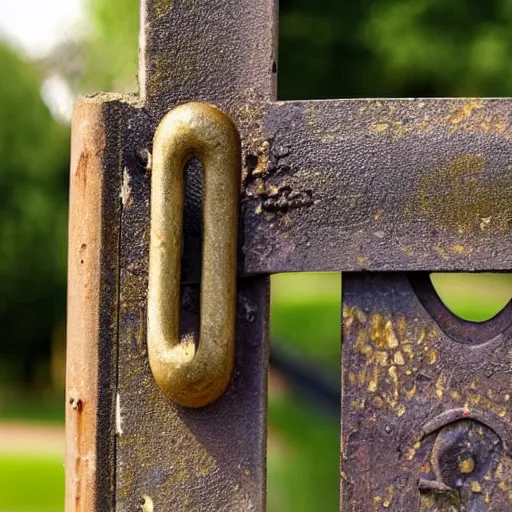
(384, 190)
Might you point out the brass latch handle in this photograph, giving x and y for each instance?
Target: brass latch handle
(194, 376)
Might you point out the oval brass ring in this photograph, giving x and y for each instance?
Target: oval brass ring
(190, 375)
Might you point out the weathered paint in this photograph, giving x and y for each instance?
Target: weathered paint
(448, 392)
(93, 254)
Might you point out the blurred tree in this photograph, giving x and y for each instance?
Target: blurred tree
(395, 48)
(33, 188)
(112, 50)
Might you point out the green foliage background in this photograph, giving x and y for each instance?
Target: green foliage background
(33, 187)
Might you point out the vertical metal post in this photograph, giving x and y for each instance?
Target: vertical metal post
(167, 457)
(94, 224)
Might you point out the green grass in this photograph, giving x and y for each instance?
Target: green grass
(303, 458)
(29, 484)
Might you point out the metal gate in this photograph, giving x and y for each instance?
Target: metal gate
(384, 190)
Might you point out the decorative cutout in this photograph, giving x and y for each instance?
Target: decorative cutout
(458, 329)
(473, 297)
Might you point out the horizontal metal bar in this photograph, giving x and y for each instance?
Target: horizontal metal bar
(378, 185)
(371, 185)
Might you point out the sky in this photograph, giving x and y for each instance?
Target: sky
(35, 27)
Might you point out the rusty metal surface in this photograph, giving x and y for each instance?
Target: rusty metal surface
(222, 51)
(212, 458)
(377, 185)
(94, 222)
(330, 185)
(426, 418)
(194, 459)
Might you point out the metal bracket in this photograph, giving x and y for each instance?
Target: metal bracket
(191, 375)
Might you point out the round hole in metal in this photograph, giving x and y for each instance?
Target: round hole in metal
(473, 297)
(446, 312)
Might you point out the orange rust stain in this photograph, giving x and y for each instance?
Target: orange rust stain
(81, 168)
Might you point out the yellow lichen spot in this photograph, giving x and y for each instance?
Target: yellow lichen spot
(398, 359)
(507, 397)
(392, 341)
(401, 326)
(503, 486)
(400, 410)
(259, 187)
(407, 251)
(377, 500)
(386, 504)
(382, 333)
(362, 260)
(272, 191)
(393, 373)
(361, 343)
(455, 395)
(373, 385)
(484, 223)
(476, 487)
(263, 157)
(440, 385)
(467, 198)
(162, 7)
(378, 402)
(411, 453)
(465, 112)
(379, 127)
(378, 215)
(487, 498)
(432, 357)
(474, 385)
(467, 465)
(410, 394)
(458, 249)
(406, 346)
(380, 357)
(357, 404)
(395, 398)
(258, 210)
(421, 337)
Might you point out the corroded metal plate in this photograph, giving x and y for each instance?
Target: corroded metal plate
(425, 417)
